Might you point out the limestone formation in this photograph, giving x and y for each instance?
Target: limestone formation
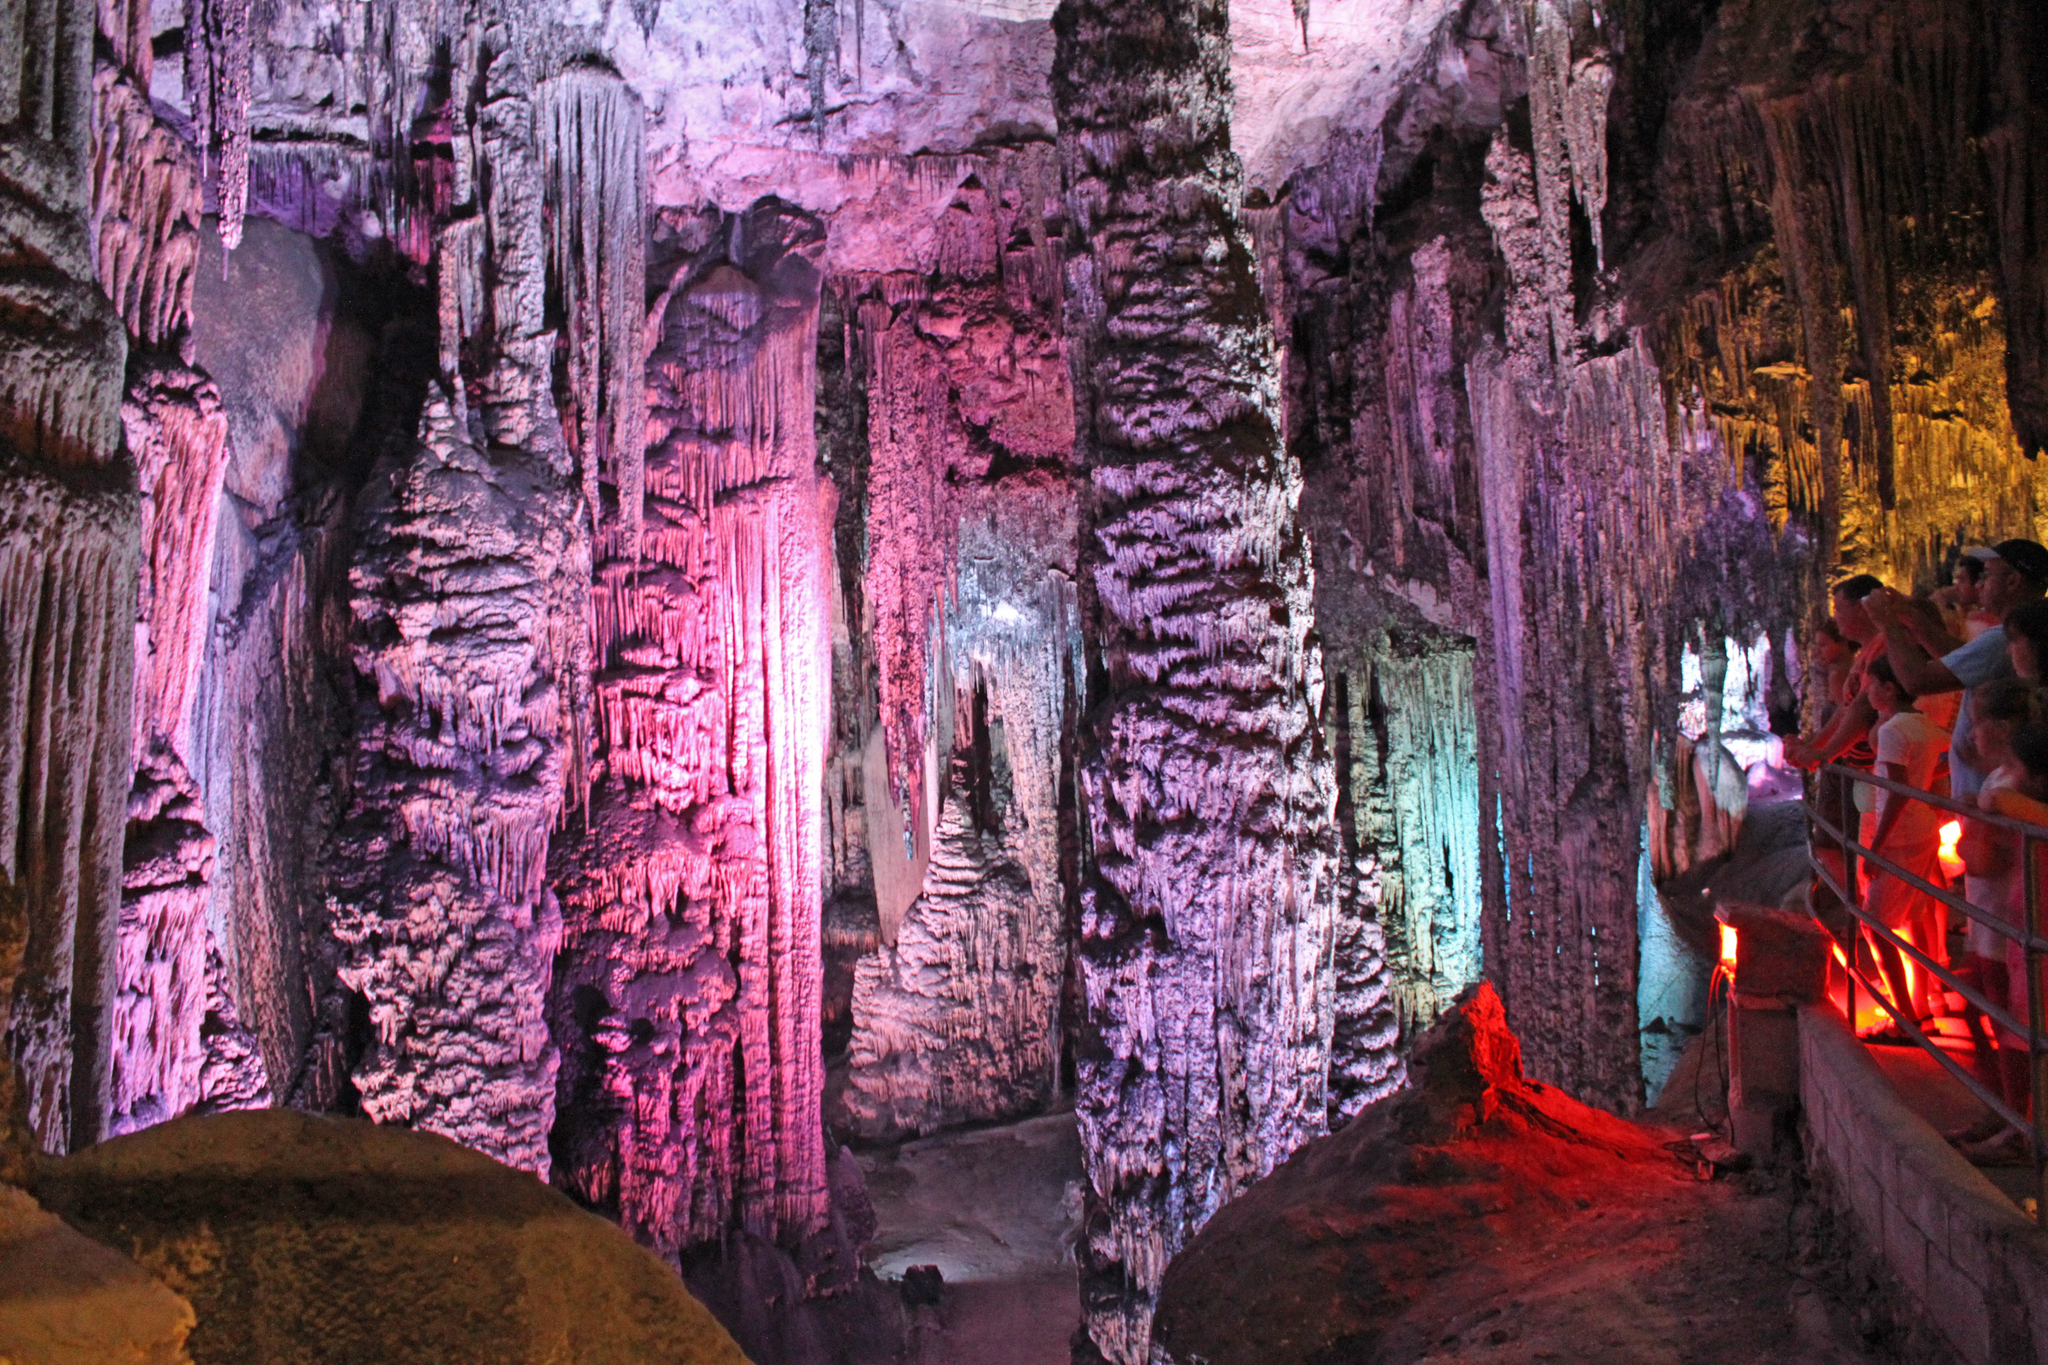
(302, 1238)
(661, 588)
(689, 1007)
(1208, 794)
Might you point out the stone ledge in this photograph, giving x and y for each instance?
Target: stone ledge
(1976, 1264)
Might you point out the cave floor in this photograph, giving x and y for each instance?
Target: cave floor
(996, 1210)
(1667, 1271)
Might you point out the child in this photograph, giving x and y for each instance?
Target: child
(2026, 799)
(1999, 709)
(1907, 832)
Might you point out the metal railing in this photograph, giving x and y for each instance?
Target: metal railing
(2032, 936)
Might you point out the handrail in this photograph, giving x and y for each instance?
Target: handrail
(2032, 938)
(1911, 1026)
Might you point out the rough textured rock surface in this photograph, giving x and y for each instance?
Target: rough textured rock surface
(1485, 1217)
(689, 1005)
(67, 1300)
(470, 590)
(1208, 793)
(67, 578)
(1264, 595)
(964, 583)
(298, 1238)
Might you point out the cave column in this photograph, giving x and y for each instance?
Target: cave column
(1208, 793)
(470, 597)
(67, 576)
(688, 1012)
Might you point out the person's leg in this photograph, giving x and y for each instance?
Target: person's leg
(2015, 1067)
(1983, 1052)
(1887, 904)
(1894, 969)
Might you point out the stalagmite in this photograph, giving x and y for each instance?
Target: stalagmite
(469, 593)
(145, 227)
(177, 435)
(1207, 915)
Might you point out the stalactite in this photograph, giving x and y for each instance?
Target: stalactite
(1585, 137)
(67, 580)
(60, 372)
(688, 1009)
(67, 611)
(1550, 59)
(145, 221)
(217, 73)
(1207, 913)
(1428, 769)
(594, 163)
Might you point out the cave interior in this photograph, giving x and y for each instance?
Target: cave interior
(705, 597)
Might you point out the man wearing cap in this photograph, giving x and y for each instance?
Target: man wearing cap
(2015, 572)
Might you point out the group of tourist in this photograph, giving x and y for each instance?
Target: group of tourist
(1943, 693)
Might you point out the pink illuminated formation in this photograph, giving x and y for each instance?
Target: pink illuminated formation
(690, 990)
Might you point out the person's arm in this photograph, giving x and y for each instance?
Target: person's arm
(1890, 803)
(1849, 724)
(1984, 849)
(1918, 671)
(1925, 620)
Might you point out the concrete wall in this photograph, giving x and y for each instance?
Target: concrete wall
(1973, 1262)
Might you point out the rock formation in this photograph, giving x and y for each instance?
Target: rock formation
(1207, 911)
(690, 1000)
(303, 1238)
(67, 580)
(1319, 1260)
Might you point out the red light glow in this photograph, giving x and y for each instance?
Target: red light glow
(1951, 862)
(1728, 946)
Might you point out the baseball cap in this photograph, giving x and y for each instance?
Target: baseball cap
(2028, 558)
(1983, 554)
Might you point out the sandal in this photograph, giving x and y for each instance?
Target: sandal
(1990, 1126)
(2009, 1147)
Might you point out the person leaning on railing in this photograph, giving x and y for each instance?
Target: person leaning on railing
(1999, 710)
(1845, 732)
(2017, 573)
(2027, 800)
(1909, 749)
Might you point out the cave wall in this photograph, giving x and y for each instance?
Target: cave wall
(67, 609)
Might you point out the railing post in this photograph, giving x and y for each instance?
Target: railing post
(2037, 1070)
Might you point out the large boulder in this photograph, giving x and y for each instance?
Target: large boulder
(67, 1300)
(333, 1242)
(1317, 1262)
